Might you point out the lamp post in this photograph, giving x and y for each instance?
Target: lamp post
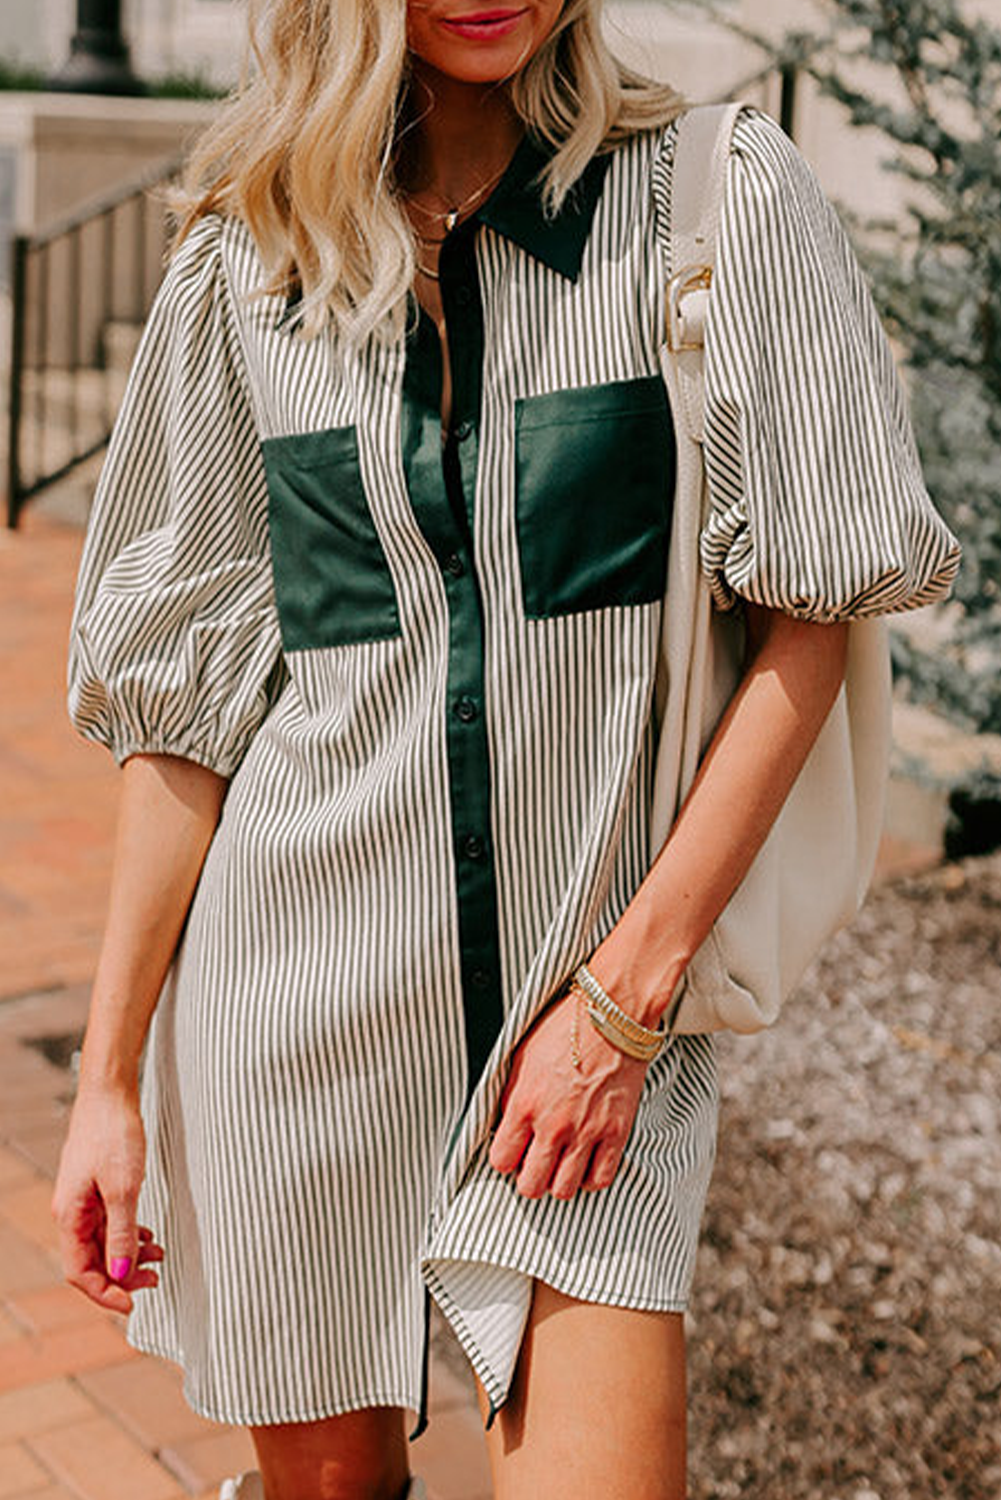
(99, 56)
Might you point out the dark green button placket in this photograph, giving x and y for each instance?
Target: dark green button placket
(442, 482)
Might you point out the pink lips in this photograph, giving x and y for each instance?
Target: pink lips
(484, 25)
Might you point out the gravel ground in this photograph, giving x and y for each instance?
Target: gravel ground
(846, 1326)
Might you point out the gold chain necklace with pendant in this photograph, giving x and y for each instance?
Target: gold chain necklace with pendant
(451, 216)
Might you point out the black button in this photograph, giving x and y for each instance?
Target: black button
(466, 709)
(473, 846)
(463, 296)
(464, 431)
(453, 564)
(480, 979)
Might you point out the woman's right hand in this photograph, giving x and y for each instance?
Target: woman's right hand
(105, 1253)
(169, 811)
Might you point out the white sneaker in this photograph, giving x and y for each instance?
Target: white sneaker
(243, 1487)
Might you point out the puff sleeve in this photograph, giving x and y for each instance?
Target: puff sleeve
(175, 644)
(818, 507)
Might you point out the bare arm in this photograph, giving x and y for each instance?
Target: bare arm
(794, 674)
(562, 1128)
(168, 813)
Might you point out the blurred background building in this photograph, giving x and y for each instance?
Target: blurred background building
(200, 38)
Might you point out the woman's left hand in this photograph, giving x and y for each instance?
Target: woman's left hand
(563, 1128)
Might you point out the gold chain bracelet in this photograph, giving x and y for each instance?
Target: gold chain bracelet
(620, 1030)
(576, 994)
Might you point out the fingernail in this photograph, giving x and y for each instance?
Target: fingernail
(120, 1268)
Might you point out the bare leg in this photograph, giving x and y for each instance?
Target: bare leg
(597, 1410)
(361, 1455)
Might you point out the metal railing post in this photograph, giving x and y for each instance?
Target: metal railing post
(789, 74)
(99, 56)
(18, 325)
(73, 359)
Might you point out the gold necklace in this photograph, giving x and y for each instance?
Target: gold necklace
(427, 271)
(451, 216)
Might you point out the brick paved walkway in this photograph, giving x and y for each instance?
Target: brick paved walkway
(82, 1416)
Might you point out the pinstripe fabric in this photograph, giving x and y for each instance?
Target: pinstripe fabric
(313, 1161)
(815, 415)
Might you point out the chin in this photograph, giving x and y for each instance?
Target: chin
(480, 64)
(484, 73)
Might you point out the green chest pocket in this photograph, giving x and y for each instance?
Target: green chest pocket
(595, 484)
(333, 585)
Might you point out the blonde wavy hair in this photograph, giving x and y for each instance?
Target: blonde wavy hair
(304, 151)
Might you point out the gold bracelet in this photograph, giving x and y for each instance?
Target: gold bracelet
(620, 1030)
(576, 994)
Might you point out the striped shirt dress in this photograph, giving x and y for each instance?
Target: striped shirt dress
(428, 669)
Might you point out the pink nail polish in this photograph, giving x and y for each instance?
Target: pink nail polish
(120, 1268)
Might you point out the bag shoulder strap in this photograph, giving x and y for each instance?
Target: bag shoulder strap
(698, 183)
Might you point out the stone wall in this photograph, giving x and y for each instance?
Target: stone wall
(58, 152)
(73, 147)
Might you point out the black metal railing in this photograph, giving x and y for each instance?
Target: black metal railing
(80, 292)
(776, 88)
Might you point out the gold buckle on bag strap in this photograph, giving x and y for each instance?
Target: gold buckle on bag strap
(689, 279)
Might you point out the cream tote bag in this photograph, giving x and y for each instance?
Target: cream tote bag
(812, 873)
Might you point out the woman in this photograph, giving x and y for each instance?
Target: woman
(369, 611)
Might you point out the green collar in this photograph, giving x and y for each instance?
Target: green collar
(516, 209)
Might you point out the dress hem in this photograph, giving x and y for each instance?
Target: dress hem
(634, 1302)
(258, 1419)
(452, 1312)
